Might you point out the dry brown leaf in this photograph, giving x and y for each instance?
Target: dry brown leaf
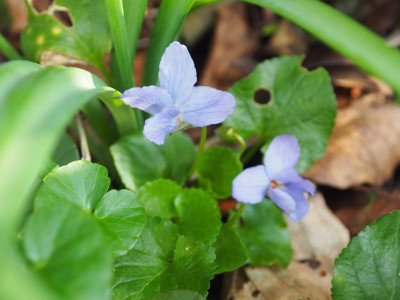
(363, 148)
(229, 59)
(299, 281)
(319, 237)
(288, 39)
(19, 15)
(317, 240)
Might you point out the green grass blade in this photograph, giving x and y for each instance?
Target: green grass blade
(354, 41)
(169, 21)
(8, 50)
(115, 11)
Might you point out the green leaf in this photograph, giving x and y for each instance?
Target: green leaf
(229, 250)
(302, 104)
(158, 197)
(217, 168)
(160, 261)
(88, 38)
(81, 183)
(66, 151)
(174, 295)
(265, 234)
(169, 20)
(35, 107)
(139, 161)
(199, 215)
(122, 218)
(84, 184)
(66, 247)
(370, 265)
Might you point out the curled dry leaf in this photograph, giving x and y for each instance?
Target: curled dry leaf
(317, 240)
(229, 59)
(363, 148)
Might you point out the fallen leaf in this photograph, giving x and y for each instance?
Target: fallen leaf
(299, 281)
(288, 40)
(316, 240)
(19, 15)
(231, 49)
(363, 148)
(319, 237)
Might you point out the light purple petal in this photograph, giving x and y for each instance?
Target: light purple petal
(161, 124)
(177, 73)
(282, 199)
(292, 177)
(283, 153)
(250, 185)
(302, 205)
(151, 99)
(207, 106)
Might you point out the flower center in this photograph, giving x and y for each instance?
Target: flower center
(274, 184)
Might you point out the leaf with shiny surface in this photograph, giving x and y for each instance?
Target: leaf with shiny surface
(369, 267)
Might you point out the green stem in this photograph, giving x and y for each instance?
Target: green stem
(366, 49)
(232, 221)
(200, 150)
(242, 143)
(249, 154)
(8, 50)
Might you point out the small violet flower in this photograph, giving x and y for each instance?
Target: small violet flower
(178, 104)
(277, 179)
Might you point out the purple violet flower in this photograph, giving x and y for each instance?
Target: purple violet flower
(277, 179)
(178, 104)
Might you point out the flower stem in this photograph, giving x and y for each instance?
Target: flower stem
(200, 150)
(232, 221)
(85, 152)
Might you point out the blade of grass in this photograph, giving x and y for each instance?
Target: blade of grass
(134, 15)
(133, 119)
(8, 50)
(354, 41)
(170, 17)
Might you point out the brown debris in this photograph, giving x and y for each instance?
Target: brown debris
(363, 148)
(229, 59)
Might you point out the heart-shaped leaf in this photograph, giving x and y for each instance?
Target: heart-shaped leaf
(301, 104)
(84, 184)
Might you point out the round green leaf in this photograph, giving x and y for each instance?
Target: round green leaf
(122, 218)
(139, 161)
(81, 182)
(229, 250)
(369, 267)
(265, 234)
(66, 247)
(199, 215)
(161, 261)
(119, 213)
(158, 197)
(217, 168)
(301, 104)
